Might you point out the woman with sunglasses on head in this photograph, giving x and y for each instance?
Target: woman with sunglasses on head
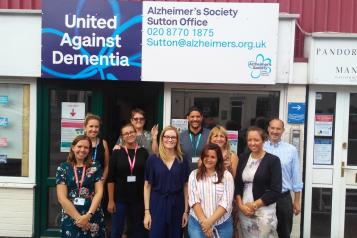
(79, 191)
(100, 150)
(125, 185)
(218, 135)
(165, 189)
(258, 186)
(144, 138)
(211, 190)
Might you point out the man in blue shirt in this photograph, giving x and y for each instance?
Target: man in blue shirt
(285, 207)
(194, 139)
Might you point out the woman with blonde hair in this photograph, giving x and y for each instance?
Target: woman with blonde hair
(165, 188)
(100, 149)
(219, 136)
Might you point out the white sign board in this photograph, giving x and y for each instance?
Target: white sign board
(323, 151)
(210, 42)
(333, 61)
(323, 125)
(180, 124)
(73, 110)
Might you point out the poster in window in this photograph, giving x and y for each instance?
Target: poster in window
(209, 106)
(323, 151)
(323, 125)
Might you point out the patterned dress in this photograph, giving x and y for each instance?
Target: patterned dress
(65, 175)
(264, 222)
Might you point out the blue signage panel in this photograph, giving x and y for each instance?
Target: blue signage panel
(296, 112)
(91, 39)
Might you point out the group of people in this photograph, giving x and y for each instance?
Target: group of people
(192, 182)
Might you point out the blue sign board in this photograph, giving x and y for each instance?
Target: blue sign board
(296, 112)
(4, 100)
(92, 39)
(4, 121)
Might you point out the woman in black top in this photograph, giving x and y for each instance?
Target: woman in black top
(125, 184)
(100, 149)
(257, 187)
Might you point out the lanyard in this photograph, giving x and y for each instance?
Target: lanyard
(79, 183)
(194, 148)
(95, 150)
(131, 162)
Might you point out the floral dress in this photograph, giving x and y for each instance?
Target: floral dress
(264, 222)
(65, 175)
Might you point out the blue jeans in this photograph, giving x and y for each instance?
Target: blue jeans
(134, 211)
(225, 230)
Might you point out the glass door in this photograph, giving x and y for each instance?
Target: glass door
(349, 172)
(331, 164)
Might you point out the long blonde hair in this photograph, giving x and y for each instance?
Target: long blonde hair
(162, 151)
(216, 130)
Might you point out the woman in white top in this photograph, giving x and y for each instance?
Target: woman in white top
(210, 191)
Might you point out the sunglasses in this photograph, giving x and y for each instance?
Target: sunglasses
(129, 133)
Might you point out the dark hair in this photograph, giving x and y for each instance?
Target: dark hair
(201, 171)
(260, 131)
(91, 116)
(71, 158)
(137, 110)
(276, 119)
(194, 109)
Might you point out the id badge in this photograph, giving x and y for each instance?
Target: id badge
(131, 179)
(195, 159)
(79, 201)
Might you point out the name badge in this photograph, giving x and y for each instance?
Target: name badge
(131, 179)
(79, 201)
(195, 159)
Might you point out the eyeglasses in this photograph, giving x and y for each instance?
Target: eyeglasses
(138, 119)
(129, 133)
(170, 137)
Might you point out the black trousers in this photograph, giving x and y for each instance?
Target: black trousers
(284, 213)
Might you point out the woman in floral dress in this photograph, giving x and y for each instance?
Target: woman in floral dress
(79, 191)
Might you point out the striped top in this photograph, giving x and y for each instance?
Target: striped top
(211, 195)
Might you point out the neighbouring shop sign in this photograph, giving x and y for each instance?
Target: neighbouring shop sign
(333, 61)
(160, 41)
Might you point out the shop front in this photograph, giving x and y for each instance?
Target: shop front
(331, 164)
(236, 87)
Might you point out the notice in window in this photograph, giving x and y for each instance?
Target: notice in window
(233, 140)
(72, 123)
(180, 124)
(323, 125)
(323, 151)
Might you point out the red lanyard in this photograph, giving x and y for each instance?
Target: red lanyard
(79, 183)
(131, 162)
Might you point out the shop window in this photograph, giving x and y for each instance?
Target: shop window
(236, 110)
(14, 130)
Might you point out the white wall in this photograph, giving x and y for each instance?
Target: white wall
(20, 43)
(17, 213)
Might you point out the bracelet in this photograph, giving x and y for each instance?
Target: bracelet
(147, 209)
(90, 213)
(255, 206)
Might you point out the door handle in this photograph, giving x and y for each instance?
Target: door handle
(343, 168)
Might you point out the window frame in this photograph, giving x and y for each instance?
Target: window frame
(28, 181)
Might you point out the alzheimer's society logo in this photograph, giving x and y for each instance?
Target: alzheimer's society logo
(260, 67)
